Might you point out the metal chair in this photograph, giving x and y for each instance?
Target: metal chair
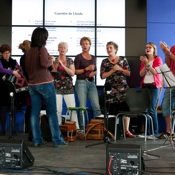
(138, 100)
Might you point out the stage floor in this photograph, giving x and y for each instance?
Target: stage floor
(77, 158)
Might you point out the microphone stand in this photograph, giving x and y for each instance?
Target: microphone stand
(12, 112)
(106, 131)
(12, 115)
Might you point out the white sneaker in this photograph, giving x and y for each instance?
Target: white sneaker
(100, 116)
(151, 137)
(141, 135)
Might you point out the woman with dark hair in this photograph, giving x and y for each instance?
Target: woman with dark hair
(41, 88)
(7, 68)
(153, 81)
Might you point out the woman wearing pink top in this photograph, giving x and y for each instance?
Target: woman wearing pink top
(151, 80)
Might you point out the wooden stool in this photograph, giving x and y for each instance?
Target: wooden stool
(81, 109)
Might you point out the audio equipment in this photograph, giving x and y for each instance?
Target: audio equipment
(123, 159)
(14, 154)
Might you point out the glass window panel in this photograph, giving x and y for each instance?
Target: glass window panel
(31, 12)
(74, 77)
(16, 58)
(110, 34)
(70, 35)
(99, 81)
(19, 34)
(110, 12)
(69, 12)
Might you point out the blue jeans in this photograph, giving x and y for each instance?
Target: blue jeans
(87, 89)
(169, 94)
(39, 93)
(154, 92)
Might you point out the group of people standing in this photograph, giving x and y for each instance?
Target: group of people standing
(50, 80)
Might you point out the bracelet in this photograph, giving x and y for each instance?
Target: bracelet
(148, 66)
(169, 54)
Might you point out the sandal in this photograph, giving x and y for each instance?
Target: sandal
(129, 134)
(164, 135)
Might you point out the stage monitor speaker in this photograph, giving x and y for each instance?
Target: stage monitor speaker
(123, 159)
(14, 154)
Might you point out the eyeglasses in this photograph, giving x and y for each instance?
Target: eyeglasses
(148, 47)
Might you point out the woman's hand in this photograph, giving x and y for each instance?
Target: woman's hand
(92, 74)
(116, 67)
(90, 67)
(144, 59)
(16, 74)
(165, 48)
(61, 63)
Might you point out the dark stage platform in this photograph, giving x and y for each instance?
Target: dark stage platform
(81, 160)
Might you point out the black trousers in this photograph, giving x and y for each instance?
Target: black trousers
(3, 111)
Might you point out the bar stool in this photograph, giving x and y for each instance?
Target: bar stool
(81, 109)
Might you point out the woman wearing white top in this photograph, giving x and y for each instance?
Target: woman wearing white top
(151, 80)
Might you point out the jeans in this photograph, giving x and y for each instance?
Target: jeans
(39, 93)
(87, 89)
(169, 97)
(154, 93)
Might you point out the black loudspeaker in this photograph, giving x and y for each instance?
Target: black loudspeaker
(14, 154)
(123, 159)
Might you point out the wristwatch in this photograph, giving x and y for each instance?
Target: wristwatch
(169, 54)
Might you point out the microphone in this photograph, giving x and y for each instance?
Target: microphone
(108, 87)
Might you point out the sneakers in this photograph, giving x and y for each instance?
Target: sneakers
(149, 137)
(43, 143)
(62, 144)
(80, 131)
(141, 135)
(164, 135)
(100, 116)
(129, 134)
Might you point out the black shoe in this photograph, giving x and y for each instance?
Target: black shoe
(62, 144)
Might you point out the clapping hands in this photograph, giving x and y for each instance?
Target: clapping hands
(165, 48)
(116, 67)
(144, 59)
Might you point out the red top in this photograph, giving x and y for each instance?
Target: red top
(172, 63)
